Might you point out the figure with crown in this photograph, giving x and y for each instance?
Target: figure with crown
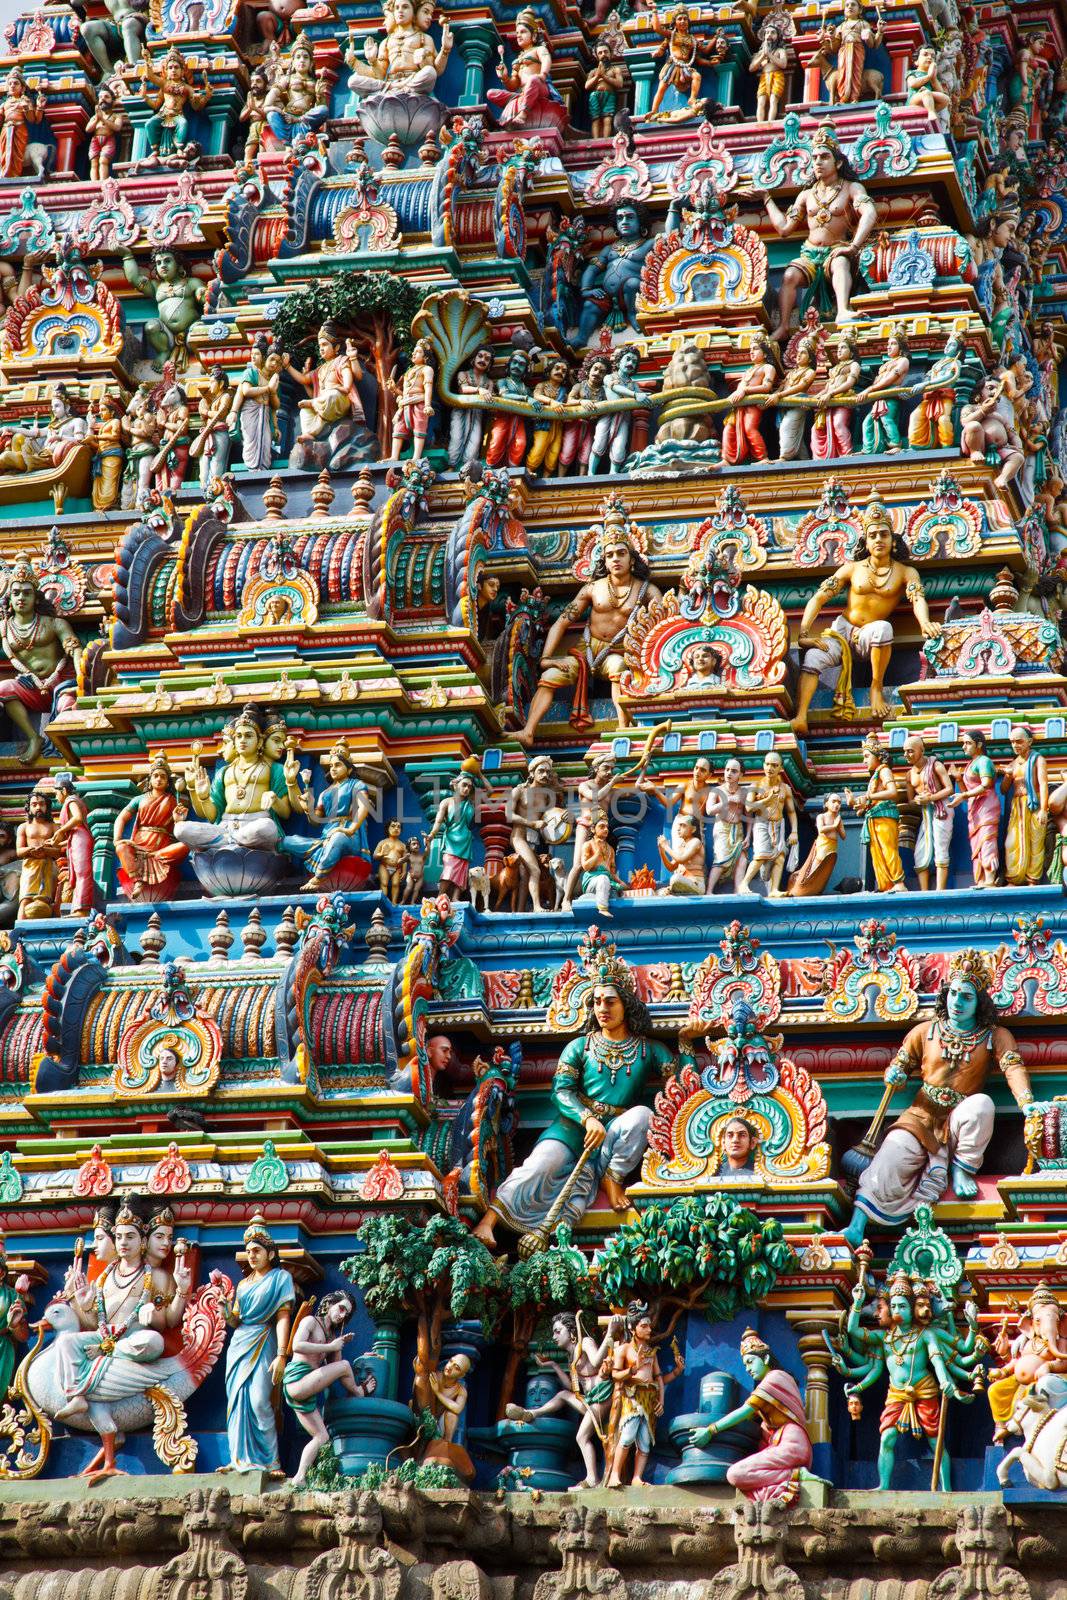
(150, 857)
(941, 1138)
(116, 1350)
(601, 611)
(1036, 1354)
(878, 578)
(839, 215)
(261, 1314)
(171, 94)
(925, 1361)
(772, 1472)
(600, 1091)
(43, 649)
(242, 806)
(341, 811)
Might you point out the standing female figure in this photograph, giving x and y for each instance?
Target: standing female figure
(261, 1311)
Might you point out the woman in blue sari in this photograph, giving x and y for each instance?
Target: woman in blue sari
(262, 1310)
(341, 811)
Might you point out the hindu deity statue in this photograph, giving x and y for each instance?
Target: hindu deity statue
(151, 855)
(839, 215)
(610, 282)
(298, 99)
(877, 579)
(341, 811)
(43, 649)
(942, 1137)
(171, 94)
(242, 808)
(599, 1091)
(601, 609)
(179, 299)
(396, 79)
(774, 1470)
(261, 1313)
(927, 1360)
(853, 40)
(117, 1352)
(333, 426)
(38, 851)
(529, 99)
(18, 112)
(36, 449)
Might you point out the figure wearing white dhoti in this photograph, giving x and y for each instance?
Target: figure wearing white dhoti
(524, 1199)
(904, 1174)
(256, 832)
(934, 843)
(825, 659)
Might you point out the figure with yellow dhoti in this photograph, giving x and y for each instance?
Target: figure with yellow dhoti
(1026, 784)
(878, 578)
(943, 1135)
(881, 818)
(771, 61)
(1036, 1352)
(637, 1398)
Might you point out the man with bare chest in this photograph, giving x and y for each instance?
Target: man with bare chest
(839, 215)
(877, 580)
(601, 608)
(43, 649)
(730, 828)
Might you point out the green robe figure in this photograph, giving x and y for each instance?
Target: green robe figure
(600, 1089)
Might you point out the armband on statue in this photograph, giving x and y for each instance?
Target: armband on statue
(832, 585)
(915, 591)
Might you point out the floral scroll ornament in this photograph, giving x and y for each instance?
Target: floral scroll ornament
(384, 1181)
(1031, 974)
(787, 159)
(367, 222)
(825, 537)
(740, 972)
(268, 1174)
(28, 229)
(171, 1173)
(705, 638)
(175, 1050)
(884, 151)
(880, 982)
(927, 1252)
(745, 1077)
(733, 534)
(11, 1185)
(620, 176)
(93, 1179)
(708, 162)
(947, 525)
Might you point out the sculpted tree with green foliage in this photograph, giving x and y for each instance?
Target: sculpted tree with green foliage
(434, 1271)
(375, 308)
(536, 1287)
(703, 1252)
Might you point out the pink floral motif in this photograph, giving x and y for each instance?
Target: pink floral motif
(383, 1181)
(94, 1178)
(171, 1174)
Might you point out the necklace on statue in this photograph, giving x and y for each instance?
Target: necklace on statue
(880, 582)
(824, 202)
(956, 1047)
(616, 1055)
